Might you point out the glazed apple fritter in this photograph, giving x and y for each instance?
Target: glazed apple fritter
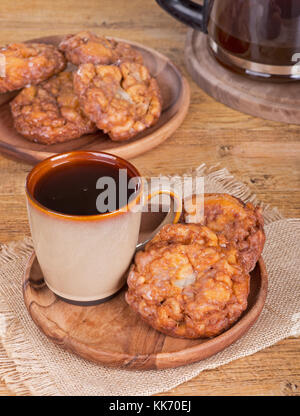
(185, 284)
(50, 113)
(86, 47)
(121, 100)
(30, 63)
(237, 223)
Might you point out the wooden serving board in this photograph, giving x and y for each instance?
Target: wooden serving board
(112, 334)
(269, 100)
(176, 98)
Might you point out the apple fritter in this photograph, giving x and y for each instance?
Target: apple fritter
(121, 100)
(237, 223)
(50, 112)
(185, 284)
(29, 64)
(86, 47)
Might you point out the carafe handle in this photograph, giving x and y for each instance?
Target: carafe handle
(188, 12)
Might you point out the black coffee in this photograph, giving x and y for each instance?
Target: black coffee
(71, 189)
(262, 31)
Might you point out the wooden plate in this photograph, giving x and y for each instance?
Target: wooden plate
(269, 100)
(176, 97)
(112, 334)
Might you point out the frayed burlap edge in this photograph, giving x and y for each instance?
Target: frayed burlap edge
(21, 370)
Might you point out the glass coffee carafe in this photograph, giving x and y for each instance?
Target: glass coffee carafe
(259, 38)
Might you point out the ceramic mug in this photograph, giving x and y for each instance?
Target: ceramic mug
(84, 258)
(258, 38)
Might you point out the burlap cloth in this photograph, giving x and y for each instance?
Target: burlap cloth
(31, 364)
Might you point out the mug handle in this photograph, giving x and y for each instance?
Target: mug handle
(188, 12)
(171, 218)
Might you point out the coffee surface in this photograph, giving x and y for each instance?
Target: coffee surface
(72, 189)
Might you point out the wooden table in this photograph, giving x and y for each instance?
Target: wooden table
(263, 154)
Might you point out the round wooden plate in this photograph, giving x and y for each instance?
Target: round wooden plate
(176, 97)
(112, 334)
(272, 101)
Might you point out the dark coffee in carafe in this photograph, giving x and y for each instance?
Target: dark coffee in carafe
(259, 38)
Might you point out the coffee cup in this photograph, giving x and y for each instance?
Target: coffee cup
(83, 253)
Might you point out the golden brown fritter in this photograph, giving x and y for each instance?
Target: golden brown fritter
(186, 285)
(122, 100)
(86, 47)
(50, 113)
(238, 223)
(29, 63)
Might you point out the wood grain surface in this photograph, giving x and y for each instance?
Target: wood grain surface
(263, 154)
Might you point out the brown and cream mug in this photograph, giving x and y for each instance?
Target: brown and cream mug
(84, 254)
